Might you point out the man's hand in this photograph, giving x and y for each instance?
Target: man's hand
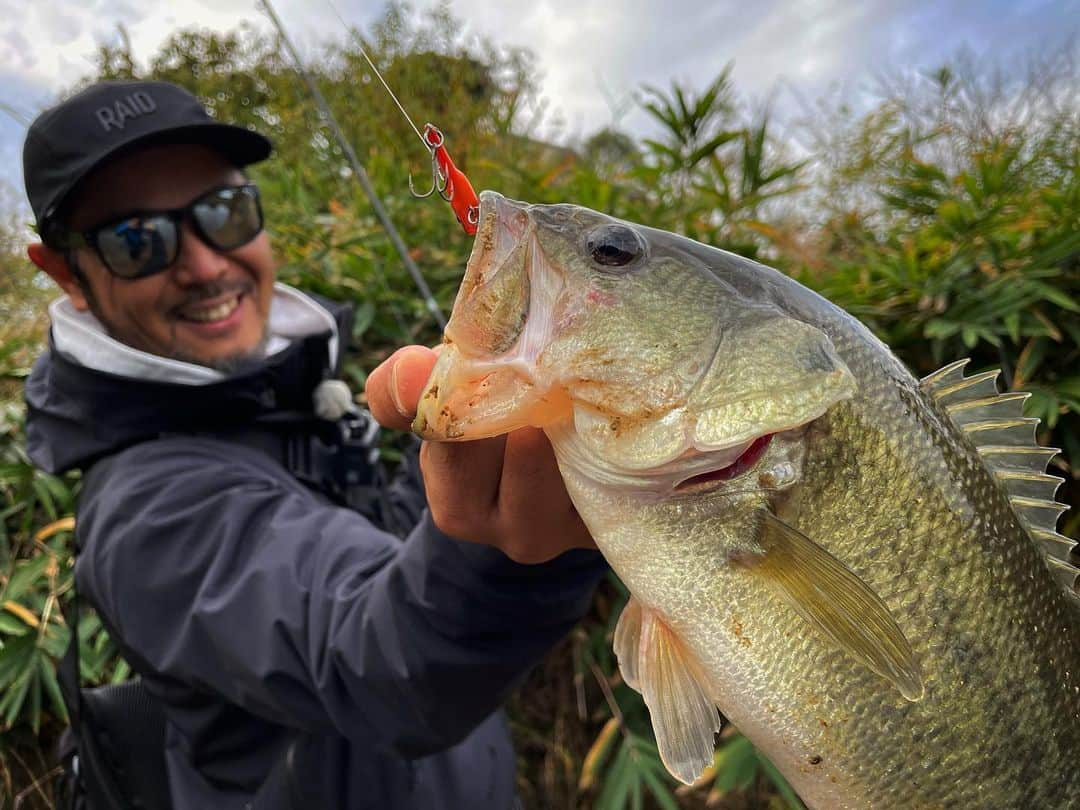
(505, 492)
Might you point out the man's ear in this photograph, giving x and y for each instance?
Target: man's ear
(56, 265)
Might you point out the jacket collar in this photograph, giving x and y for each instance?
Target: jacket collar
(81, 338)
(82, 404)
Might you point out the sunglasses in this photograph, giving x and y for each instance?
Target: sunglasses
(146, 242)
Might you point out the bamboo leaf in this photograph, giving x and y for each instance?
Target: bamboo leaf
(33, 701)
(709, 147)
(121, 673)
(597, 754)
(11, 626)
(52, 688)
(780, 783)
(15, 696)
(659, 789)
(617, 782)
(65, 524)
(1069, 386)
(44, 496)
(27, 616)
(1027, 365)
(1056, 296)
(1012, 326)
(736, 765)
(27, 574)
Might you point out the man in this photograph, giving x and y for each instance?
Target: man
(281, 632)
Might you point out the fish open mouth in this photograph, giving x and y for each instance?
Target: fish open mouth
(486, 381)
(743, 462)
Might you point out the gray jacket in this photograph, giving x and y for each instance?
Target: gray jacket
(262, 613)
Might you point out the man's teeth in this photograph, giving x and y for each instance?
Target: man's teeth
(222, 310)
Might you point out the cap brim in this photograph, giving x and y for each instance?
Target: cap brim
(239, 146)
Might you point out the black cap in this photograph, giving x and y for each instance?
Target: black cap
(68, 141)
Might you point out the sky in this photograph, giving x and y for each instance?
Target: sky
(592, 54)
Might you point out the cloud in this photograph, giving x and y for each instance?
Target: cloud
(46, 30)
(20, 49)
(592, 54)
(20, 101)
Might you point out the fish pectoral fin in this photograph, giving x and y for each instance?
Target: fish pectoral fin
(828, 595)
(669, 677)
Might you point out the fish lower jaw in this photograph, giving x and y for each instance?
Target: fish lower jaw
(714, 469)
(470, 398)
(730, 463)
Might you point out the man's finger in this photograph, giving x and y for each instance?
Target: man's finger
(462, 482)
(394, 387)
(531, 476)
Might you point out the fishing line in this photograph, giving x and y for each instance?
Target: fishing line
(378, 75)
(358, 171)
(446, 178)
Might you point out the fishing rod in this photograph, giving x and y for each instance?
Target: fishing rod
(358, 170)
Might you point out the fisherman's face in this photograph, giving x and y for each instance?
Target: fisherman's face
(209, 307)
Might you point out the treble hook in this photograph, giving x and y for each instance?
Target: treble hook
(433, 140)
(438, 181)
(448, 179)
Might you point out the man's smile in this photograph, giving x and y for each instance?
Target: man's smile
(215, 310)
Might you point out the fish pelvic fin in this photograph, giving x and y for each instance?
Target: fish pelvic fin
(627, 642)
(835, 602)
(656, 662)
(1005, 440)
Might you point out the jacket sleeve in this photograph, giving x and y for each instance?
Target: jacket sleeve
(216, 572)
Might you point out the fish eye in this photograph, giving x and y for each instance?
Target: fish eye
(614, 245)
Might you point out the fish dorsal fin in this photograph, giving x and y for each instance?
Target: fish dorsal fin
(1005, 439)
(656, 662)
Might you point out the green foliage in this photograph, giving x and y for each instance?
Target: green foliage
(712, 174)
(945, 216)
(970, 249)
(23, 297)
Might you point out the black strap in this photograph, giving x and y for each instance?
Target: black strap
(121, 754)
(68, 672)
(340, 459)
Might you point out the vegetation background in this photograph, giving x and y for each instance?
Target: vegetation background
(943, 213)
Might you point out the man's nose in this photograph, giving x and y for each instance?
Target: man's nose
(197, 261)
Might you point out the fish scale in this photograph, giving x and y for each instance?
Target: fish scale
(942, 556)
(967, 541)
(871, 600)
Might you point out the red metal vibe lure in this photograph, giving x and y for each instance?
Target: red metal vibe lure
(451, 183)
(446, 178)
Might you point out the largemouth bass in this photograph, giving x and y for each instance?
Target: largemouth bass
(860, 569)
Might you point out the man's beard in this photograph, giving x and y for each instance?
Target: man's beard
(230, 364)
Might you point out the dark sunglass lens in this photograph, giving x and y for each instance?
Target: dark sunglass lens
(138, 246)
(229, 217)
